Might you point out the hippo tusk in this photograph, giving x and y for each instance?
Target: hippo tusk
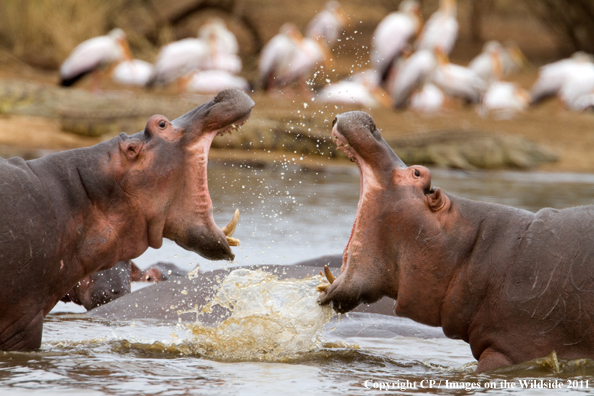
(328, 274)
(232, 241)
(229, 229)
(326, 282)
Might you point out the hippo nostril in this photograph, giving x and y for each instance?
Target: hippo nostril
(162, 124)
(417, 173)
(334, 121)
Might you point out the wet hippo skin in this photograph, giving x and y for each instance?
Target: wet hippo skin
(515, 285)
(70, 214)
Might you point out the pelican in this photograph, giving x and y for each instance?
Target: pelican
(223, 46)
(487, 65)
(458, 81)
(176, 60)
(359, 93)
(277, 55)
(217, 32)
(309, 54)
(512, 58)
(411, 75)
(93, 55)
(212, 81)
(393, 34)
(552, 77)
(369, 77)
(505, 98)
(441, 29)
(429, 99)
(578, 83)
(328, 24)
(132, 72)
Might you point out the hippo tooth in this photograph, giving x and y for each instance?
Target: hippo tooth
(322, 286)
(328, 274)
(232, 241)
(229, 229)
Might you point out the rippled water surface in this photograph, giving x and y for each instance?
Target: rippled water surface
(288, 215)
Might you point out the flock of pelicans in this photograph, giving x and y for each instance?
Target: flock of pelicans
(409, 66)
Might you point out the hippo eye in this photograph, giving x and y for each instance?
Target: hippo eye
(162, 124)
(417, 173)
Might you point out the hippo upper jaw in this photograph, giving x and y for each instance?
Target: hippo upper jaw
(190, 223)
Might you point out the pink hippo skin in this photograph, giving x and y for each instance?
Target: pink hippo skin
(70, 214)
(514, 284)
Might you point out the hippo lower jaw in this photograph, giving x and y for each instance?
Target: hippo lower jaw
(197, 231)
(350, 290)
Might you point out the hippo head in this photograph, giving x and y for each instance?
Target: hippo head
(163, 172)
(397, 207)
(102, 287)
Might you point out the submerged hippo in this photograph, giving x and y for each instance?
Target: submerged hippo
(514, 284)
(163, 300)
(158, 272)
(69, 214)
(102, 287)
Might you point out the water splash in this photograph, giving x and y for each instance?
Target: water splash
(270, 319)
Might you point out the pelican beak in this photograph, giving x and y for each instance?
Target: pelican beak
(125, 49)
(417, 13)
(442, 57)
(383, 97)
(341, 15)
(518, 56)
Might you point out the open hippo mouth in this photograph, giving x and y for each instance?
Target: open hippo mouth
(356, 135)
(194, 228)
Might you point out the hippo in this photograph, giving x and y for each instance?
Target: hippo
(160, 271)
(515, 285)
(102, 287)
(69, 214)
(184, 293)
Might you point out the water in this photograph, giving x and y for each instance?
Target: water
(288, 216)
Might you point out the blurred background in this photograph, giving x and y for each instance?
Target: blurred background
(36, 37)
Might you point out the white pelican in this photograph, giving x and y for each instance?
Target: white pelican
(458, 81)
(441, 29)
(277, 55)
(309, 54)
(327, 24)
(578, 83)
(512, 58)
(212, 81)
(370, 77)
(223, 46)
(355, 93)
(93, 55)
(553, 76)
(411, 75)
(429, 99)
(178, 59)
(393, 34)
(132, 72)
(505, 98)
(215, 30)
(488, 64)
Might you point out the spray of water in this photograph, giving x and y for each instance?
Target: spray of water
(270, 319)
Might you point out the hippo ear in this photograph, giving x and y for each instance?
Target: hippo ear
(131, 148)
(436, 199)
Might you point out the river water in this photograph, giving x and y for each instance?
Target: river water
(289, 215)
